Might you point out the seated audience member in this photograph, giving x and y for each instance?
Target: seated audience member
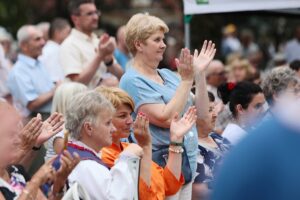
(280, 80)
(215, 76)
(28, 81)
(295, 65)
(265, 165)
(89, 120)
(211, 147)
(155, 182)
(62, 97)
(240, 70)
(16, 146)
(246, 103)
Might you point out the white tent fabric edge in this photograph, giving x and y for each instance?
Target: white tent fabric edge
(216, 6)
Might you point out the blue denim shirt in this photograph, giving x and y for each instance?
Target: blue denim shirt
(146, 91)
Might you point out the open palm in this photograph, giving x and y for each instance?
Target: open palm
(52, 126)
(202, 59)
(179, 127)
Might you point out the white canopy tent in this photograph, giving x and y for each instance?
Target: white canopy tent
(192, 7)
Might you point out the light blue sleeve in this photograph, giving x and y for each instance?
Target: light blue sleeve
(142, 91)
(21, 88)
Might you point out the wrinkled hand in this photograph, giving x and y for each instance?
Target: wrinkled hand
(179, 127)
(207, 53)
(67, 164)
(51, 126)
(141, 130)
(106, 46)
(185, 65)
(46, 173)
(30, 133)
(133, 149)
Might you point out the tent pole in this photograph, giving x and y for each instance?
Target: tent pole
(187, 30)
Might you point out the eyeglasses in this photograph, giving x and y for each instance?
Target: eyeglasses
(89, 14)
(222, 73)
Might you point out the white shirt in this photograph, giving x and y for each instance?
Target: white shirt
(292, 50)
(101, 183)
(234, 133)
(77, 52)
(51, 61)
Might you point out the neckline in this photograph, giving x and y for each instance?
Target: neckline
(149, 79)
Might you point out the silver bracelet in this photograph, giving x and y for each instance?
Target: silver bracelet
(175, 150)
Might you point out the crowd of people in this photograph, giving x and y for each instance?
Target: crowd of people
(97, 116)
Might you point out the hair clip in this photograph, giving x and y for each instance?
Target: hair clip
(231, 86)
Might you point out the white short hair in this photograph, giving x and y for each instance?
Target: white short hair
(23, 33)
(85, 106)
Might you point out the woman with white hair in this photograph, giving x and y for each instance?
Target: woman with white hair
(62, 97)
(89, 121)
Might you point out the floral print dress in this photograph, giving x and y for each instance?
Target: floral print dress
(210, 158)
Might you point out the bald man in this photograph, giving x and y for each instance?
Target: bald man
(215, 76)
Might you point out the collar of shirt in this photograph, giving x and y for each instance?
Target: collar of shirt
(28, 60)
(83, 36)
(79, 143)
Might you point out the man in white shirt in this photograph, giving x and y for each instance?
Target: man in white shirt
(58, 31)
(84, 57)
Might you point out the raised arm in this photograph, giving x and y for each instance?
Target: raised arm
(179, 127)
(162, 114)
(143, 137)
(105, 47)
(201, 62)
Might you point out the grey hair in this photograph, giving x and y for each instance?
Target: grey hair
(24, 33)
(85, 107)
(278, 81)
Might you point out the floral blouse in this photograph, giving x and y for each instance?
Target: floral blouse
(209, 159)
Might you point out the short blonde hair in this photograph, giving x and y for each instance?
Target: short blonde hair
(64, 95)
(140, 27)
(116, 96)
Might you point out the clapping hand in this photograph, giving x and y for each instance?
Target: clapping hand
(185, 65)
(51, 126)
(46, 173)
(106, 46)
(67, 164)
(30, 133)
(141, 130)
(202, 59)
(179, 127)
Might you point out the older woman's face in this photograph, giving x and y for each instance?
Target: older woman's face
(154, 47)
(10, 126)
(103, 129)
(123, 121)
